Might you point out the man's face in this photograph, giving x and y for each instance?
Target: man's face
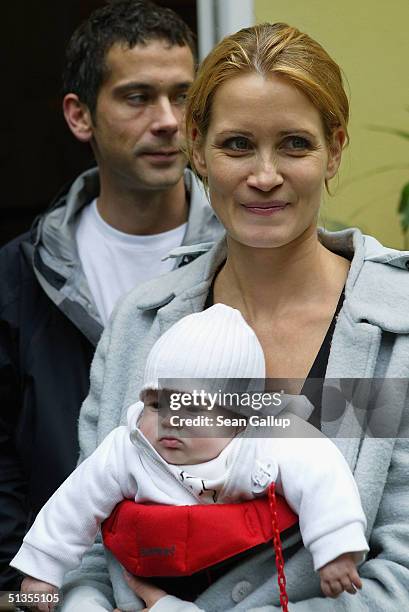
(137, 127)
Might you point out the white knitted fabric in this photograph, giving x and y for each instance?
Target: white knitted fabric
(216, 343)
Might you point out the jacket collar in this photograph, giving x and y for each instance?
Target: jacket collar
(55, 233)
(377, 286)
(190, 279)
(53, 249)
(371, 295)
(186, 282)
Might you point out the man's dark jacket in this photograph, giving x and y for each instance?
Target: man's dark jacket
(49, 328)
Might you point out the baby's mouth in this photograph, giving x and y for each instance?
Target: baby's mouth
(170, 442)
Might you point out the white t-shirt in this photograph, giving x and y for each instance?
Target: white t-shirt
(115, 262)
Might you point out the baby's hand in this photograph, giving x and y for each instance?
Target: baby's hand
(340, 575)
(32, 585)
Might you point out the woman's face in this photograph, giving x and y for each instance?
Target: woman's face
(266, 160)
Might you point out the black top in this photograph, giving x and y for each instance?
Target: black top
(313, 385)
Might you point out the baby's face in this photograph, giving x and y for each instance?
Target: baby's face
(181, 444)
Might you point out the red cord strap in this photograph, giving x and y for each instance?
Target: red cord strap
(277, 548)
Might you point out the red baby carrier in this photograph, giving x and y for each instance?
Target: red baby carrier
(158, 540)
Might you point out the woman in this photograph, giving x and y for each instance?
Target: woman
(266, 124)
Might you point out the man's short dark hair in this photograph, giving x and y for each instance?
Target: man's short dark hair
(131, 22)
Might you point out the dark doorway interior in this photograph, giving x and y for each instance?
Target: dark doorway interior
(38, 154)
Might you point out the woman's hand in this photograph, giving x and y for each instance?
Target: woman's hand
(145, 590)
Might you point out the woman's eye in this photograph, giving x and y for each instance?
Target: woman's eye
(237, 144)
(297, 143)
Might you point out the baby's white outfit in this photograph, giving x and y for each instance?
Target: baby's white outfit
(126, 465)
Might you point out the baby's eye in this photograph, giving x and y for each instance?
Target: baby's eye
(196, 409)
(154, 406)
(238, 144)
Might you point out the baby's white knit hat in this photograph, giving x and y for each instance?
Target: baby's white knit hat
(216, 343)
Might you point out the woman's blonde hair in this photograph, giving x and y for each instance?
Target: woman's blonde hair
(266, 49)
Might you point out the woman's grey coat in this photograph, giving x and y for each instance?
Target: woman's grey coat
(371, 339)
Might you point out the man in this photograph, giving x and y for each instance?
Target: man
(129, 67)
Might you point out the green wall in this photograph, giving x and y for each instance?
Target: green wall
(370, 42)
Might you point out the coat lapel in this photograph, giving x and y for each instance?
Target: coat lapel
(353, 356)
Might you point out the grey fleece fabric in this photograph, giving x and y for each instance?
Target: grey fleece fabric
(371, 339)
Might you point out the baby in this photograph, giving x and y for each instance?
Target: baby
(157, 459)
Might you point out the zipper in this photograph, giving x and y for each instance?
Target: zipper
(147, 450)
(231, 476)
